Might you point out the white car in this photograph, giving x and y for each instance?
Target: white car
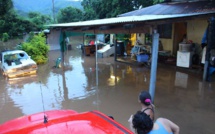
(16, 63)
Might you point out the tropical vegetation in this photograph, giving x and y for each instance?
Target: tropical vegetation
(69, 14)
(36, 47)
(99, 9)
(13, 25)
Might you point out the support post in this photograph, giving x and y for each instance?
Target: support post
(115, 45)
(155, 41)
(96, 43)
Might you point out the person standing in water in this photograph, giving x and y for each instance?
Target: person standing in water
(146, 103)
(144, 99)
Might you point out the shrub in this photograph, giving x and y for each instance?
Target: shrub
(37, 48)
(5, 37)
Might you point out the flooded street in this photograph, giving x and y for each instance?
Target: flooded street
(180, 95)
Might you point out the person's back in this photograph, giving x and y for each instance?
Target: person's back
(146, 103)
(159, 129)
(164, 126)
(143, 124)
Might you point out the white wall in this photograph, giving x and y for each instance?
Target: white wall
(53, 40)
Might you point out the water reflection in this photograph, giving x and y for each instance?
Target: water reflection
(71, 82)
(112, 88)
(181, 79)
(113, 79)
(20, 81)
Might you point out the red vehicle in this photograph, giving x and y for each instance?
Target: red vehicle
(64, 122)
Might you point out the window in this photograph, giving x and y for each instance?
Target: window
(165, 31)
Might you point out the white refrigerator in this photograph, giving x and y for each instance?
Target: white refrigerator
(184, 59)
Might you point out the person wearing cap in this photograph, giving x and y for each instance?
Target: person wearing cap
(143, 124)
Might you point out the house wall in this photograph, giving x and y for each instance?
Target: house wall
(195, 31)
(167, 44)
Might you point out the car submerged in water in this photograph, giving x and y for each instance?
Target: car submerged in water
(64, 122)
(17, 63)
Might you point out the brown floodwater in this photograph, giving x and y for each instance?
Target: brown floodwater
(180, 96)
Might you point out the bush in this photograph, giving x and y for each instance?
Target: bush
(5, 37)
(37, 48)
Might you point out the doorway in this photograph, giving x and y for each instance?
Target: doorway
(179, 32)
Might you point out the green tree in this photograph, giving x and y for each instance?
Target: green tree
(69, 14)
(89, 14)
(6, 6)
(142, 3)
(39, 20)
(14, 25)
(99, 9)
(158, 1)
(32, 15)
(90, 9)
(10, 22)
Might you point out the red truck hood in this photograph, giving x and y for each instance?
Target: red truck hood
(64, 122)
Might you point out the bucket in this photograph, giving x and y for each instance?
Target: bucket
(142, 58)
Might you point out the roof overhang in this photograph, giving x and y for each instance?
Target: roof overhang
(129, 24)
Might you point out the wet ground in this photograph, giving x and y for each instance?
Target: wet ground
(180, 96)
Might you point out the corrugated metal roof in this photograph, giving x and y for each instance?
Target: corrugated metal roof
(127, 19)
(174, 8)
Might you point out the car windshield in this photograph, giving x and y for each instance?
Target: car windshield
(10, 57)
(14, 58)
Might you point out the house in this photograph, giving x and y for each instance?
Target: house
(172, 32)
(177, 34)
(192, 23)
(172, 20)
